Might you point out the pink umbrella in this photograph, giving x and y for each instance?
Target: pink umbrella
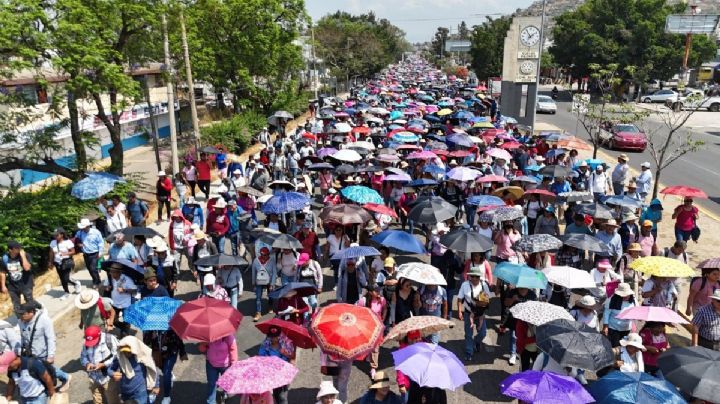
(421, 155)
(651, 313)
(257, 375)
(389, 158)
(326, 151)
(499, 154)
(492, 178)
(431, 108)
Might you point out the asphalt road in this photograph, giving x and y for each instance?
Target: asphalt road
(699, 169)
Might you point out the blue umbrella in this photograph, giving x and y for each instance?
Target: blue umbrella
(399, 240)
(444, 104)
(433, 118)
(361, 194)
(405, 137)
(423, 182)
(394, 126)
(355, 252)
(152, 313)
(432, 168)
(463, 115)
(95, 185)
(485, 200)
(534, 168)
(350, 111)
(555, 152)
(634, 387)
(460, 139)
(594, 163)
(396, 115)
(285, 202)
(520, 275)
(303, 289)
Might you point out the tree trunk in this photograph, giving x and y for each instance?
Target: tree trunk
(81, 159)
(656, 185)
(115, 151)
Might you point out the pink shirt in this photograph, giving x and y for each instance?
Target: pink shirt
(657, 341)
(376, 306)
(223, 352)
(646, 243)
(702, 297)
(685, 219)
(504, 243)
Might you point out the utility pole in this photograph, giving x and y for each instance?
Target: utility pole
(191, 86)
(170, 99)
(153, 125)
(539, 66)
(315, 72)
(688, 45)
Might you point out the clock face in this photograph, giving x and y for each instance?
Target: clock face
(530, 35)
(528, 67)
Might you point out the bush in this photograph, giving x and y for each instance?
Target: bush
(295, 103)
(234, 133)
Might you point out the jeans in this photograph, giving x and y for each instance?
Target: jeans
(258, 297)
(343, 378)
(17, 289)
(618, 188)
(41, 399)
(91, 261)
(219, 242)
(311, 301)
(234, 241)
(233, 294)
(682, 235)
(470, 212)
(167, 376)
(178, 253)
(470, 341)
(213, 374)
(62, 377)
(285, 279)
(513, 343)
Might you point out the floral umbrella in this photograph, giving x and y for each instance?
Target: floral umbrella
(533, 243)
(662, 266)
(346, 330)
(345, 214)
(426, 325)
(361, 194)
(539, 313)
(505, 213)
(257, 375)
(421, 273)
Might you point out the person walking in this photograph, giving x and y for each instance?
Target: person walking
(166, 347)
(203, 176)
(61, 254)
(219, 356)
(99, 351)
(644, 181)
(163, 192)
(263, 274)
(16, 277)
(686, 217)
(620, 174)
(90, 241)
(614, 328)
(37, 340)
(137, 210)
(473, 300)
(135, 372)
(30, 376)
(706, 324)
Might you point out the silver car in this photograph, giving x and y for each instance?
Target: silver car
(660, 96)
(545, 104)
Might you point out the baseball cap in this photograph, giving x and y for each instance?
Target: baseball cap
(389, 262)
(645, 165)
(92, 335)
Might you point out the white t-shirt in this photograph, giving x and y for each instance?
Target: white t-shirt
(335, 243)
(486, 232)
(61, 249)
(467, 292)
(190, 173)
(601, 278)
(590, 320)
(598, 182)
(121, 300)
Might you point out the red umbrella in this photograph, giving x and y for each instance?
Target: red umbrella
(205, 320)
(416, 129)
(308, 135)
(297, 334)
(393, 132)
(346, 331)
(440, 152)
(511, 145)
(407, 147)
(541, 192)
(379, 208)
(492, 178)
(493, 132)
(363, 130)
(684, 190)
(459, 153)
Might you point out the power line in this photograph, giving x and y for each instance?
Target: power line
(469, 17)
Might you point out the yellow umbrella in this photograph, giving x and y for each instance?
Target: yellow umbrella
(516, 192)
(484, 124)
(662, 266)
(444, 111)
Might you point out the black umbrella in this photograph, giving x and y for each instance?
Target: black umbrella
(128, 268)
(432, 210)
(286, 242)
(596, 210)
(533, 243)
(302, 288)
(554, 171)
(694, 370)
(147, 232)
(585, 242)
(576, 196)
(250, 191)
(220, 260)
(369, 169)
(466, 240)
(574, 344)
(320, 166)
(344, 169)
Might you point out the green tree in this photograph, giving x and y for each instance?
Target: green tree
(438, 43)
(626, 32)
(463, 31)
(487, 43)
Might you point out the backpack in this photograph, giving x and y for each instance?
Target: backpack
(703, 281)
(666, 253)
(49, 368)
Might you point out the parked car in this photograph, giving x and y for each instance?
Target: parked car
(545, 104)
(659, 96)
(623, 136)
(711, 104)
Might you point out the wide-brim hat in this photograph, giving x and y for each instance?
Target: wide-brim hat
(371, 225)
(623, 289)
(634, 247)
(587, 302)
(633, 339)
(624, 157)
(475, 271)
(380, 380)
(84, 223)
(612, 223)
(86, 299)
(326, 389)
(716, 295)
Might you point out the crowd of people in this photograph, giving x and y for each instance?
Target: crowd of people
(417, 198)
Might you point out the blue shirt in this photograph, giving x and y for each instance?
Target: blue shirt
(137, 212)
(131, 387)
(610, 316)
(614, 243)
(127, 251)
(92, 241)
(558, 188)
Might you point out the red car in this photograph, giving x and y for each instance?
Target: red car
(625, 136)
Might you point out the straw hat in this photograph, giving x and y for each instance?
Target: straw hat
(199, 235)
(634, 247)
(86, 299)
(612, 222)
(220, 203)
(380, 380)
(84, 223)
(623, 290)
(623, 157)
(587, 302)
(633, 339)
(327, 389)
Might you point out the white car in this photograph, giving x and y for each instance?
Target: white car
(711, 104)
(659, 96)
(545, 104)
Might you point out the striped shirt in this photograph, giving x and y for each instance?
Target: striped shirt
(707, 322)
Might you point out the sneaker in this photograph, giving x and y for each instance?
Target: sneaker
(78, 286)
(257, 317)
(64, 297)
(581, 379)
(166, 400)
(512, 360)
(65, 386)
(468, 358)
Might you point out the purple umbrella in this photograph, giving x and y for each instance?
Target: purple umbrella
(431, 365)
(537, 387)
(398, 177)
(389, 158)
(326, 151)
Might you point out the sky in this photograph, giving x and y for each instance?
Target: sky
(419, 18)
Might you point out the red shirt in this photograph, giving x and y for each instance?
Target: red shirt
(203, 170)
(308, 242)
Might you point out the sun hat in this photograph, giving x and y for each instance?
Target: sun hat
(453, 162)
(583, 164)
(587, 302)
(92, 335)
(442, 227)
(633, 339)
(84, 223)
(624, 157)
(161, 173)
(5, 359)
(629, 216)
(389, 262)
(220, 203)
(86, 299)
(539, 158)
(221, 189)
(645, 165)
(623, 289)
(155, 242)
(647, 223)
(199, 235)
(634, 247)
(600, 167)
(380, 380)
(149, 274)
(161, 247)
(475, 271)
(611, 222)
(209, 279)
(604, 263)
(716, 295)
(303, 259)
(370, 226)
(326, 389)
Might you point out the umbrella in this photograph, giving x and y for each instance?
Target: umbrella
(326, 151)
(425, 274)
(683, 190)
(569, 277)
(516, 192)
(422, 182)
(421, 155)
(541, 192)
(710, 263)
(347, 155)
(287, 185)
(493, 178)
(426, 325)
(444, 111)
(533, 243)
(380, 208)
(361, 194)
(695, 370)
(355, 252)
(466, 240)
(499, 154)
(433, 169)
(539, 313)
(483, 124)
(257, 375)
(554, 171)
(221, 260)
(296, 333)
(432, 210)
(129, 268)
(528, 179)
(286, 242)
(460, 139)
(152, 313)
(205, 320)
(146, 232)
(595, 210)
(634, 387)
(388, 158)
(283, 115)
(520, 275)
(94, 186)
(285, 202)
(399, 240)
(405, 137)
(624, 201)
(398, 177)
(463, 174)
(211, 150)
(662, 266)
(576, 196)
(345, 214)
(303, 289)
(431, 365)
(341, 127)
(506, 213)
(544, 387)
(574, 344)
(250, 191)
(485, 200)
(585, 242)
(362, 145)
(651, 313)
(344, 169)
(320, 166)
(346, 331)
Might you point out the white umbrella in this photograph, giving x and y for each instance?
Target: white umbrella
(342, 127)
(364, 145)
(421, 273)
(378, 110)
(569, 277)
(375, 119)
(347, 155)
(539, 313)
